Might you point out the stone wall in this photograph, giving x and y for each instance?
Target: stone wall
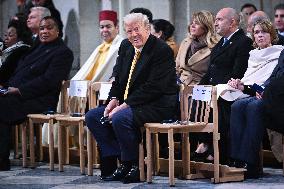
(80, 17)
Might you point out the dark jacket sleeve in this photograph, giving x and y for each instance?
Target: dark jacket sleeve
(58, 70)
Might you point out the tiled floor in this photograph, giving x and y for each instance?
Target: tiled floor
(42, 178)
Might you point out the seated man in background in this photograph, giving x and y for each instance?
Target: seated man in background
(35, 86)
(35, 16)
(144, 90)
(99, 65)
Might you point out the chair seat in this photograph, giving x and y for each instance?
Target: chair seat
(40, 116)
(69, 118)
(179, 128)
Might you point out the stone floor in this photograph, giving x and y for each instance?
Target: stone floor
(42, 178)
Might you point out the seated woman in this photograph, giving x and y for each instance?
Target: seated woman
(17, 40)
(194, 53)
(164, 30)
(247, 114)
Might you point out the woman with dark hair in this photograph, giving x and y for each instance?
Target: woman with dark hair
(17, 41)
(164, 30)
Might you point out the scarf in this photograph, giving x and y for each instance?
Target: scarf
(8, 51)
(195, 46)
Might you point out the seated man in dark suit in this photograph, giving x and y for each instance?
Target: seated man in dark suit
(35, 85)
(144, 90)
(228, 59)
(248, 118)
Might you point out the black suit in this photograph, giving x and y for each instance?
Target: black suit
(226, 62)
(273, 97)
(151, 98)
(38, 77)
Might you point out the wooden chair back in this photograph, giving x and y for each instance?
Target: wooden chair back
(195, 103)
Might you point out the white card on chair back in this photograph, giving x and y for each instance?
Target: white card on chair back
(78, 88)
(202, 93)
(104, 90)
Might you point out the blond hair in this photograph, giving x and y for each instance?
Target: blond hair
(206, 20)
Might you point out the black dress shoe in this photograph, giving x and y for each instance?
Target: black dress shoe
(119, 173)
(132, 176)
(5, 165)
(252, 172)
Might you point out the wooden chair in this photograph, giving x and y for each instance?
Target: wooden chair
(200, 98)
(95, 97)
(41, 119)
(94, 100)
(66, 120)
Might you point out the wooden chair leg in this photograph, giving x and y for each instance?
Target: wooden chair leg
(141, 161)
(171, 157)
(149, 155)
(24, 144)
(51, 145)
(16, 142)
(81, 146)
(66, 145)
(185, 155)
(156, 154)
(39, 142)
(216, 137)
(90, 152)
(32, 147)
(60, 147)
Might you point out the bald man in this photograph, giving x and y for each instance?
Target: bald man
(229, 59)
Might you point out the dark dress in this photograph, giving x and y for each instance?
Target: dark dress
(10, 64)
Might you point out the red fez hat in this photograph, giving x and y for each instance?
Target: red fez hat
(108, 15)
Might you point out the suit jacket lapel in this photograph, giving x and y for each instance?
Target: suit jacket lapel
(219, 49)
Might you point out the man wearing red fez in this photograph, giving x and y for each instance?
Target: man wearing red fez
(100, 64)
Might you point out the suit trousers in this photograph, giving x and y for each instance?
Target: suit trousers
(120, 138)
(247, 129)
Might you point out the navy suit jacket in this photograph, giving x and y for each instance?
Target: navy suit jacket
(228, 61)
